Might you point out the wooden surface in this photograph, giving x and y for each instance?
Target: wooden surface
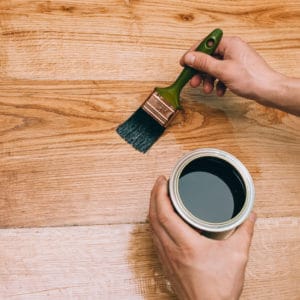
(74, 196)
(119, 262)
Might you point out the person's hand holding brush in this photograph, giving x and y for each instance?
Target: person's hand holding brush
(244, 72)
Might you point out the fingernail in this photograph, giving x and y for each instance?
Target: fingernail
(190, 59)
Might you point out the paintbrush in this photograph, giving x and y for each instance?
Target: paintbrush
(148, 123)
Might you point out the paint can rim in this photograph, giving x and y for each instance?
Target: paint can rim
(192, 219)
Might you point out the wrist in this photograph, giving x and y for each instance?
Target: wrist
(282, 92)
(272, 90)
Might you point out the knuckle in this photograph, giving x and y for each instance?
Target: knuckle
(201, 62)
(240, 42)
(237, 39)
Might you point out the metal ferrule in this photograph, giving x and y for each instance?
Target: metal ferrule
(159, 109)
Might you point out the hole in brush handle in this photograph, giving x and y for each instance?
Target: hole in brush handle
(210, 43)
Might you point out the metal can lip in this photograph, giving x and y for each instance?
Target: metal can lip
(186, 214)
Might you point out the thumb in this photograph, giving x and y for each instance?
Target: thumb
(203, 63)
(243, 235)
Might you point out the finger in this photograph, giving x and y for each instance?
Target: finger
(177, 229)
(152, 208)
(196, 80)
(163, 257)
(153, 218)
(160, 250)
(208, 84)
(243, 235)
(218, 53)
(220, 88)
(163, 236)
(181, 61)
(193, 48)
(223, 45)
(204, 62)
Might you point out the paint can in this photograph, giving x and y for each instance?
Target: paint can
(212, 191)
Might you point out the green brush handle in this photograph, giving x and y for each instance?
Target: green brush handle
(172, 92)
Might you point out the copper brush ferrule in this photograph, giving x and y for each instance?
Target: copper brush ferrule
(159, 109)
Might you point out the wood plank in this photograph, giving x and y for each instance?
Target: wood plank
(135, 40)
(62, 162)
(274, 262)
(119, 262)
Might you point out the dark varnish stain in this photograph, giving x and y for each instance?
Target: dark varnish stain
(144, 263)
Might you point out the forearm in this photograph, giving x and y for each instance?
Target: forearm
(283, 93)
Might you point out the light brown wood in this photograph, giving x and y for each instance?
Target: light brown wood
(70, 72)
(78, 263)
(133, 40)
(63, 164)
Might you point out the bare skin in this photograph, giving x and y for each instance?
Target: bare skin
(198, 267)
(244, 72)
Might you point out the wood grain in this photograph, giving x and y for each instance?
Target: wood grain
(78, 263)
(70, 72)
(133, 40)
(62, 162)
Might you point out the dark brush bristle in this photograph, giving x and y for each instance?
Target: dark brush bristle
(140, 130)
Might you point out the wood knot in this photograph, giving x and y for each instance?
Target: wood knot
(68, 9)
(186, 17)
